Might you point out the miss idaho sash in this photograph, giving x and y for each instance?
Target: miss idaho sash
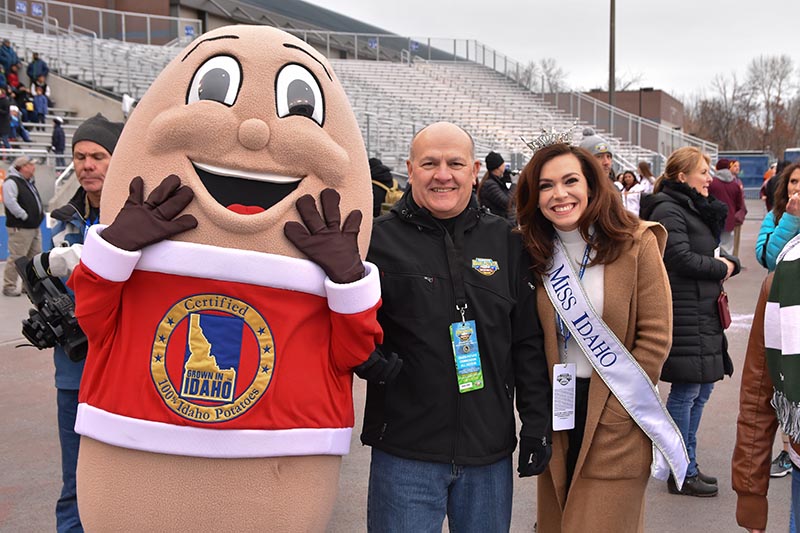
(617, 368)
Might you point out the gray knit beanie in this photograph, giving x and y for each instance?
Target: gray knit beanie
(100, 130)
(593, 143)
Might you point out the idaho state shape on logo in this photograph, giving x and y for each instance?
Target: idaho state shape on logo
(212, 358)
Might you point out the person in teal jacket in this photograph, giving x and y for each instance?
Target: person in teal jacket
(783, 222)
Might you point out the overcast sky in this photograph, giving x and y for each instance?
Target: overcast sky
(676, 45)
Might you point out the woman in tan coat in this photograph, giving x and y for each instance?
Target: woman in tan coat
(599, 470)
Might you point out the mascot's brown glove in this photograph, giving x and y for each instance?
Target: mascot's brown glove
(141, 223)
(333, 249)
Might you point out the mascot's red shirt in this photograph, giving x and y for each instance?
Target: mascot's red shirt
(212, 352)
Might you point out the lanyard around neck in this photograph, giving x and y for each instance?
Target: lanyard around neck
(454, 248)
(562, 328)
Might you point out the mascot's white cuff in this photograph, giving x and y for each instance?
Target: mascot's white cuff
(355, 297)
(213, 262)
(105, 259)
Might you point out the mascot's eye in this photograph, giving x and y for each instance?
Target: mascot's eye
(298, 93)
(217, 79)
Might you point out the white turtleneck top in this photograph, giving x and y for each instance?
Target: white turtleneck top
(593, 286)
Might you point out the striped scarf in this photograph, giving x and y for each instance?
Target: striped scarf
(782, 338)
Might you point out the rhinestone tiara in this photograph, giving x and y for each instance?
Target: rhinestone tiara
(548, 138)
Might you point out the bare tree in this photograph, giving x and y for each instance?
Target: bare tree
(725, 117)
(553, 76)
(529, 76)
(770, 78)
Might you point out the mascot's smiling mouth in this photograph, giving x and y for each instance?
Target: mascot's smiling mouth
(242, 191)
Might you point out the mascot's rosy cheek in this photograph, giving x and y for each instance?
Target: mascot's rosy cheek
(225, 296)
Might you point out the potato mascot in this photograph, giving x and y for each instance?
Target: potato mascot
(225, 296)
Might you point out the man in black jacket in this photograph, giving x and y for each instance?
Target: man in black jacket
(443, 430)
(24, 213)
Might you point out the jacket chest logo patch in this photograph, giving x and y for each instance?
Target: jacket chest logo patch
(487, 267)
(212, 358)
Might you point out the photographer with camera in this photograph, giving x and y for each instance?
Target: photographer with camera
(92, 145)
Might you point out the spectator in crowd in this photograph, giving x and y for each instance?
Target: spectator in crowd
(5, 119)
(382, 184)
(783, 222)
(495, 191)
(41, 82)
(632, 191)
(780, 226)
(93, 144)
(601, 150)
(771, 171)
(57, 141)
(24, 213)
(442, 433)
(765, 402)
(8, 56)
(40, 107)
(735, 168)
(725, 188)
(12, 76)
(128, 104)
(17, 127)
(699, 356)
(768, 188)
(24, 100)
(37, 68)
(646, 177)
(582, 242)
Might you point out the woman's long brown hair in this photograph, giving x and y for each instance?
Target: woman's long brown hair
(614, 226)
(782, 192)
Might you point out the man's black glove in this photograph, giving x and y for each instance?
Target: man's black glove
(333, 248)
(143, 222)
(379, 369)
(534, 454)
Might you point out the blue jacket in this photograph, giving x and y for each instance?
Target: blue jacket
(40, 104)
(71, 225)
(37, 68)
(772, 238)
(8, 57)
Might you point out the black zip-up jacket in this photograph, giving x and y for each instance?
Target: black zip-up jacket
(421, 414)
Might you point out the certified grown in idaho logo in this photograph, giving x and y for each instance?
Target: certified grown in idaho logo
(212, 358)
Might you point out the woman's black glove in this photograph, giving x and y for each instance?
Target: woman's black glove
(534, 454)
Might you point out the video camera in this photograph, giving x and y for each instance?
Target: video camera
(53, 321)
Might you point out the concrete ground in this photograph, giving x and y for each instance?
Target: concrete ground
(30, 456)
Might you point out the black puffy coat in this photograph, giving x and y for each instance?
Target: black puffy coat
(495, 195)
(699, 348)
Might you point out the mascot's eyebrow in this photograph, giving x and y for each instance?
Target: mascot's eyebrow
(287, 45)
(207, 40)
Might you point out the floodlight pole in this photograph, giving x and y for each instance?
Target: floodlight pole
(611, 80)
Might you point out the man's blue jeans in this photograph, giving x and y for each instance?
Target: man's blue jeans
(685, 404)
(794, 518)
(414, 496)
(67, 518)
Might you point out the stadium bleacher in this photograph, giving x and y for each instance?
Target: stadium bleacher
(391, 99)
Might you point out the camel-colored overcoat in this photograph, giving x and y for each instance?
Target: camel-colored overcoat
(608, 486)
